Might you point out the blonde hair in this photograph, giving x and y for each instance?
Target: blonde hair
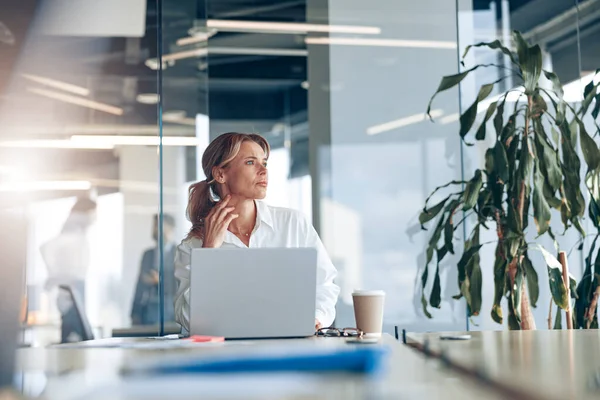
(219, 153)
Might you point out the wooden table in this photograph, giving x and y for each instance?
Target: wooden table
(539, 364)
(93, 373)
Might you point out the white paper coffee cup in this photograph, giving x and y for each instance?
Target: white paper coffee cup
(368, 311)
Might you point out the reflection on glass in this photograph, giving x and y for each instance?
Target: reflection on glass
(67, 258)
(75, 158)
(146, 301)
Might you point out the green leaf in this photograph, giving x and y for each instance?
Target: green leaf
(471, 250)
(589, 93)
(525, 166)
(449, 82)
(424, 276)
(541, 209)
(476, 284)
(449, 235)
(509, 129)
(435, 298)
(548, 157)
(516, 295)
(468, 117)
(514, 323)
(501, 162)
(539, 105)
(594, 212)
(512, 219)
(484, 207)
(586, 287)
(558, 319)
(424, 304)
(570, 169)
(530, 62)
(437, 233)
(526, 205)
(429, 214)
(556, 85)
(495, 45)
(490, 111)
(532, 280)
(442, 187)
(557, 286)
(549, 196)
(596, 109)
(472, 190)
(573, 287)
(589, 148)
(499, 118)
(499, 284)
(555, 135)
(497, 313)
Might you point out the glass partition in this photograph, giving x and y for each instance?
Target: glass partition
(79, 160)
(376, 155)
(106, 109)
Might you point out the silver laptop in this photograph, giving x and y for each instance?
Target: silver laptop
(253, 293)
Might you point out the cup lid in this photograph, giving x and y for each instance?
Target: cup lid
(368, 293)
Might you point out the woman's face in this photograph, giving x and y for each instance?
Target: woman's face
(246, 175)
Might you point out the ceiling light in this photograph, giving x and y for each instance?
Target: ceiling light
(117, 140)
(197, 35)
(173, 115)
(54, 144)
(67, 98)
(178, 117)
(287, 27)
(180, 55)
(36, 186)
(152, 63)
(147, 98)
(399, 123)
(421, 44)
(258, 51)
(67, 87)
(167, 59)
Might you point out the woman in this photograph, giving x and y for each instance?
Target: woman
(67, 257)
(225, 211)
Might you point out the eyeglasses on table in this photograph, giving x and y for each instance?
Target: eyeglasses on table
(335, 332)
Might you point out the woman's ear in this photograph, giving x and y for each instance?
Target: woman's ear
(218, 174)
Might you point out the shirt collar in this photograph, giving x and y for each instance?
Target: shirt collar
(264, 213)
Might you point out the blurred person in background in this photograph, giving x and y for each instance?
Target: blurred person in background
(146, 301)
(226, 211)
(67, 258)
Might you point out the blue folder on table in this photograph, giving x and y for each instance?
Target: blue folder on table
(359, 360)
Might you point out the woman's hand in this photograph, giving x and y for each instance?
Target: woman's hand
(216, 223)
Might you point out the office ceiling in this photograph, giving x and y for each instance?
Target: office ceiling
(250, 90)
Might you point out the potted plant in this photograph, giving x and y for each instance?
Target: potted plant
(530, 170)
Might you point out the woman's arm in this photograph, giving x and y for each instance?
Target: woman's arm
(182, 274)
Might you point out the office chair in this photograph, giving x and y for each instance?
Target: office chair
(84, 325)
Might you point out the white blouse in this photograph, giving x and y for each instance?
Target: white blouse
(275, 227)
